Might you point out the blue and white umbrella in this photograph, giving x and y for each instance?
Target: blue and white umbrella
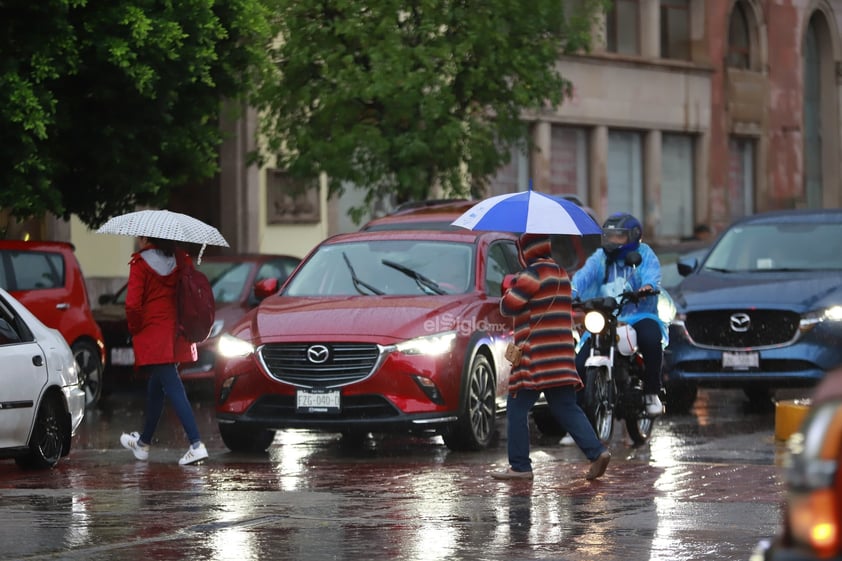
(528, 212)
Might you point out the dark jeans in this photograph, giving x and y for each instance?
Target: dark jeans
(649, 343)
(565, 410)
(165, 382)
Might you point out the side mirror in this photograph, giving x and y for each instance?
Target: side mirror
(633, 258)
(265, 288)
(686, 265)
(508, 282)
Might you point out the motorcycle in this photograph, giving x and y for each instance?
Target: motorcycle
(614, 371)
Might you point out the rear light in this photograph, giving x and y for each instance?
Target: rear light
(814, 505)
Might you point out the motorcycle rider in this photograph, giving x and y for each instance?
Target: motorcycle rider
(606, 273)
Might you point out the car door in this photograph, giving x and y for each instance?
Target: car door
(22, 379)
(501, 260)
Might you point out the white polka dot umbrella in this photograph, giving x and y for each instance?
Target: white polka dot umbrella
(165, 225)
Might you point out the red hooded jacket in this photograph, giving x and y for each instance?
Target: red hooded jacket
(151, 311)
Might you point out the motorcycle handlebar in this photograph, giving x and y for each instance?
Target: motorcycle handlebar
(623, 298)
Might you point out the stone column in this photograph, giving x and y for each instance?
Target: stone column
(650, 28)
(541, 156)
(239, 181)
(652, 168)
(598, 171)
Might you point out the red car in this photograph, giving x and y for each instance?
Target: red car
(47, 279)
(232, 279)
(375, 332)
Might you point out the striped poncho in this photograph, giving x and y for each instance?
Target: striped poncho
(543, 326)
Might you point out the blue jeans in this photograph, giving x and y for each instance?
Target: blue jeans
(565, 410)
(165, 382)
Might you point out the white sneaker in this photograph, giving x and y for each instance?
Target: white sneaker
(132, 442)
(193, 455)
(567, 440)
(654, 407)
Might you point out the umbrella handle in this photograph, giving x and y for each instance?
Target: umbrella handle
(201, 251)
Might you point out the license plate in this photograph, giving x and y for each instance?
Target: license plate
(317, 401)
(741, 361)
(122, 356)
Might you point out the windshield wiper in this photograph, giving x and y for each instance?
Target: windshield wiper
(356, 280)
(423, 282)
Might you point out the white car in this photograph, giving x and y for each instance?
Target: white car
(41, 401)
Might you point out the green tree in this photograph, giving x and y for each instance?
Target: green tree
(397, 96)
(109, 104)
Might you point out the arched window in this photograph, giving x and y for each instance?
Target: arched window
(739, 38)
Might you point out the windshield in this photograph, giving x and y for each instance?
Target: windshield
(389, 267)
(778, 247)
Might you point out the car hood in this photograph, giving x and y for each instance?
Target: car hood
(386, 319)
(800, 292)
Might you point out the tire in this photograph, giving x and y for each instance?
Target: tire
(90, 371)
(640, 427)
(599, 402)
(546, 423)
(246, 439)
(680, 397)
(476, 425)
(50, 435)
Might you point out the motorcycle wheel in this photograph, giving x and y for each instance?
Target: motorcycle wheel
(599, 402)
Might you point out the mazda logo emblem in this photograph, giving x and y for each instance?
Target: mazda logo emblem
(317, 354)
(740, 323)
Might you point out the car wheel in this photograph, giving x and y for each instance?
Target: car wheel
(475, 428)
(680, 397)
(546, 423)
(90, 371)
(49, 435)
(246, 439)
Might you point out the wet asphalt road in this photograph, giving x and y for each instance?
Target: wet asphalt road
(707, 487)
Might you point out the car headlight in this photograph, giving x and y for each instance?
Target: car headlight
(833, 313)
(594, 322)
(229, 346)
(429, 345)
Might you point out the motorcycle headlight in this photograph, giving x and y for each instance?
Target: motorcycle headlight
(430, 345)
(230, 346)
(594, 322)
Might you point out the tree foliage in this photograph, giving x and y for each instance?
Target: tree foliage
(396, 96)
(105, 105)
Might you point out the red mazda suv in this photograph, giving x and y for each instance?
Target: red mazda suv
(390, 331)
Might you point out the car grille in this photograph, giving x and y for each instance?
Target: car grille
(345, 363)
(715, 328)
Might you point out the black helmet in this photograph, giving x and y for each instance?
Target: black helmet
(620, 234)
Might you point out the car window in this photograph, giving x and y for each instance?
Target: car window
(776, 247)
(353, 268)
(228, 283)
(498, 265)
(34, 270)
(12, 328)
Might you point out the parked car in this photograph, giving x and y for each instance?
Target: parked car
(812, 511)
(762, 310)
(232, 279)
(46, 278)
(42, 401)
(375, 332)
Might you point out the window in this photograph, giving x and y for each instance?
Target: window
(569, 161)
(37, 270)
(676, 186)
(740, 177)
(499, 265)
(675, 29)
(622, 26)
(625, 174)
(739, 52)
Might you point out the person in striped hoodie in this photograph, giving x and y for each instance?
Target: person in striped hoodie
(539, 300)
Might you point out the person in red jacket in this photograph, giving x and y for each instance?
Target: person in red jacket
(151, 314)
(539, 300)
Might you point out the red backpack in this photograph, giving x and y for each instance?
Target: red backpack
(194, 297)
